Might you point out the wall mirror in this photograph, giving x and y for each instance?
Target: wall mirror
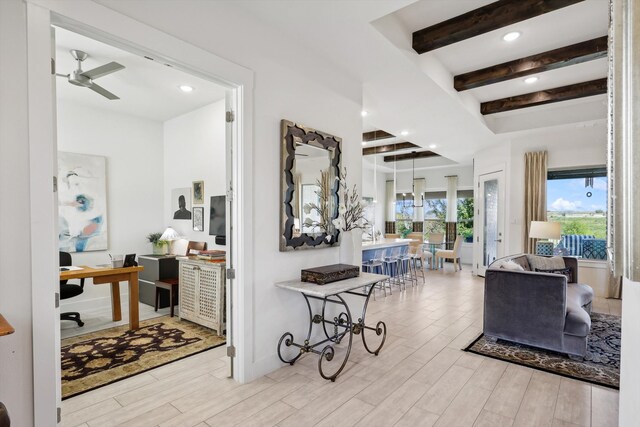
(310, 166)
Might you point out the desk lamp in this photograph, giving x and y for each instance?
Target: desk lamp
(170, 235)
(545, 230)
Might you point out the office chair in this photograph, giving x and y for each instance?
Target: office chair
(70, 291)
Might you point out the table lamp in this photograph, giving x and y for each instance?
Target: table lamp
(170, 235)
(545, 230)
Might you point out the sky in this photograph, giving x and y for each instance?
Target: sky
(571, 195)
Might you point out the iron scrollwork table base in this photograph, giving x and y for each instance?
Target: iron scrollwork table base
(337, 328)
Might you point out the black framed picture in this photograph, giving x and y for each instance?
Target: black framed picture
(198, 219)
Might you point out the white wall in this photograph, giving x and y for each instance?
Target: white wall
(568, 147)
(16, 351)
(194, 150)
(134, 166)
(435, 178)
(376, 189)
(321, 97)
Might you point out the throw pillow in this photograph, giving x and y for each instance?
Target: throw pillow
(545, 263)
(511, 265)
(523, 262)
(564, 271)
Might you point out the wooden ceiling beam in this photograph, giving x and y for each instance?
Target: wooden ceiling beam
(538, 63)
(564, 93)
(376, 135)
(482, 20)
(409, 156)
(388, 148)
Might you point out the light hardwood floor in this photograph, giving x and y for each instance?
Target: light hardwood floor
(421, 378)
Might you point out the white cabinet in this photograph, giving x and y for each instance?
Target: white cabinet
(202, 293)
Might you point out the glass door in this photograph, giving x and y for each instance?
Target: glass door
(491, 216)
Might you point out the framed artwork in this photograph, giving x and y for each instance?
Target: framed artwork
(82, 202)
(198, 192)
(181, 203)
(198, 219)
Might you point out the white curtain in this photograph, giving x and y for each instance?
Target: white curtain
(419, 185)
(452, 198)
(390, 201)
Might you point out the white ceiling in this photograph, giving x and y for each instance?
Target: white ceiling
(369, 41)
(146, 88)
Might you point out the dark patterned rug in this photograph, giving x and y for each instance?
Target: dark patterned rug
(100, 358)
(601, 365)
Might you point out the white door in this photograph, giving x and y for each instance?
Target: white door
(490, 236)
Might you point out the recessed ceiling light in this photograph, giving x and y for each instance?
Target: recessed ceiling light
(530, 80)
(364, 113)
(509, 37)
(432, 146)
(404, 133)
(186, 88)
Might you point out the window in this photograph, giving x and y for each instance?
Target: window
(577, 199)
(404, 215)
(435, 212)
(465, 214)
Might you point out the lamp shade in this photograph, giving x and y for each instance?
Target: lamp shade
(170, 234)
(545, 230)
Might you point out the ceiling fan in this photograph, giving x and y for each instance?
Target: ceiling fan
(86, 78)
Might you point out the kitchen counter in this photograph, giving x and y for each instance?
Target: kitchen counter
(385, 243)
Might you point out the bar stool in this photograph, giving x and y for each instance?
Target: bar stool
(375, 266)
(393, 267)
(408, 265)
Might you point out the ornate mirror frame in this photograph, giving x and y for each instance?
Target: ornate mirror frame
(291, 135)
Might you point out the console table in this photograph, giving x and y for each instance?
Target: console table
(343, 324)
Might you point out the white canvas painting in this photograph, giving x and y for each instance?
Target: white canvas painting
(82, 202)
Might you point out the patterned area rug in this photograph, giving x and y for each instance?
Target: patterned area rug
(601, 365)
(100, 358)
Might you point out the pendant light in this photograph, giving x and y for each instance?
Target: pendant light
(413, 184)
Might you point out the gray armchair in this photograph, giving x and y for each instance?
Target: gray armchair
(536, 308)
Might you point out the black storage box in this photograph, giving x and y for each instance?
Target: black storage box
(329, 273)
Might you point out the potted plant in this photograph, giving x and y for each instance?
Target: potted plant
(159, 246)
(468, 235)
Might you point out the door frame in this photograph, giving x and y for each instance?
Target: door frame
(499, 171)
(103, 24)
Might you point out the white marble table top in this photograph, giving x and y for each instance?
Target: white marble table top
(334, 288)
(386, 243)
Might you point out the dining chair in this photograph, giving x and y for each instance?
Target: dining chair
(453, 254)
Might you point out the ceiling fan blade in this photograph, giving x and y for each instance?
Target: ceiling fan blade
(102, 91)
(103, 70)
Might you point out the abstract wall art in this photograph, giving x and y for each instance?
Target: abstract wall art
(82, 202)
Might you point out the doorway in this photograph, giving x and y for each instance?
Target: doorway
(141, 39)
(491, 210)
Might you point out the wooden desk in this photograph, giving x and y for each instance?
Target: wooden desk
(114, 276)
(5, 327)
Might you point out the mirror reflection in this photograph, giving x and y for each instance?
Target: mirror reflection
(310, 182)
(314, 203)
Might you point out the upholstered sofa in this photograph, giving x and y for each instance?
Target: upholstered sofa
(540, 309)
